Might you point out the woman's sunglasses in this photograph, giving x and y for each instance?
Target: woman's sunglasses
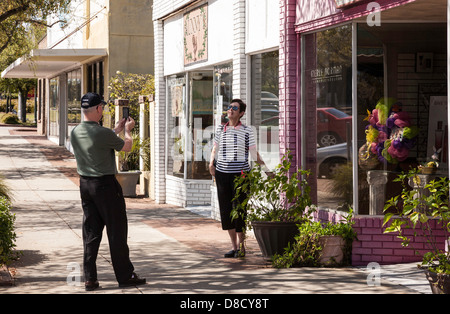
(235, 108)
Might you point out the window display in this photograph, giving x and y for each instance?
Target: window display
(400, 106)
(328, 109)
(399, 129)
(176, 125)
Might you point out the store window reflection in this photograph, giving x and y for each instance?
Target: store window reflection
(54, 108)
(328, 110)
(73, 99)
(265, 105)
(200, 124)
(176, 125)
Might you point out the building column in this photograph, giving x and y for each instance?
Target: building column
(289, 100)
(239, 57)
(159, 127)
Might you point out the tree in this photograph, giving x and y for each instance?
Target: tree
(16, 16)
(22, 24)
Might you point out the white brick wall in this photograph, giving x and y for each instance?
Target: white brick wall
(184, 193)
(239, 57)
(160, 115)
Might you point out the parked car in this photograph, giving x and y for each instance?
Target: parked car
(332, 126)
(269, 100)
(331, 157)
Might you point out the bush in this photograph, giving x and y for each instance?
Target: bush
(130, 86)
(307, 250)
(10, 118)
(4, 189)
(7, 234)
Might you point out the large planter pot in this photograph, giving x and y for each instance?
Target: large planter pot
(332, 250)
(439, 283)
(274, 236)
(128, 181)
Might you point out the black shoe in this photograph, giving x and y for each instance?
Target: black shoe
(91, 285)
(133, 281)
(232, 253)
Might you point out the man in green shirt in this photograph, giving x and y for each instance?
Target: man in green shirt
(101, 195)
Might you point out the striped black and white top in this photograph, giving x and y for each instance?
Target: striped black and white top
(233, 148)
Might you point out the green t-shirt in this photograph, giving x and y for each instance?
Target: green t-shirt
(94, 147)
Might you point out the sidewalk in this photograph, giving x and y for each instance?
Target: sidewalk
(177, 250)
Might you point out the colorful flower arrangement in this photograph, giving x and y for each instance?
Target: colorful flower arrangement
(390, 135)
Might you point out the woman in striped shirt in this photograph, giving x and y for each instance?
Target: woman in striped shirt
(233, 143)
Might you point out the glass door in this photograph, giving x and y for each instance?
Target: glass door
(200, 115)
(54, 108)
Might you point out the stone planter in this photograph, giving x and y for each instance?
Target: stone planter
(128, 181)
(273, 236)
(332, 250)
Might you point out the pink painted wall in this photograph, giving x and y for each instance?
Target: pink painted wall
(288, 97)
(373, 245)
(308, 10)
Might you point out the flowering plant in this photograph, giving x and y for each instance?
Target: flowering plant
(390, 134)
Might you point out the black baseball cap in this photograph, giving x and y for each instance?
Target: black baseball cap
(91, 100)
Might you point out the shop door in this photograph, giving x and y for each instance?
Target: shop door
(200, 124)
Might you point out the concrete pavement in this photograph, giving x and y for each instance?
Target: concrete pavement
(177, 250)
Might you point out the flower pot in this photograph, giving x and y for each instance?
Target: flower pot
(128, 181)
(428, 170)
(274, 236)
(332, 250)
(439, 283)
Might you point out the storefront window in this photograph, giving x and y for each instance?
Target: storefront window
(402, 107)
(200, 122)
(328, 115)
(54, 108)
(176, 125)
(73, 99)
(95, 78)
(223, 92)
(265, 105)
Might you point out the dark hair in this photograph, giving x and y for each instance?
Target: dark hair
(242, 105)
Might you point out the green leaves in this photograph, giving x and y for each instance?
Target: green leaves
(7, 234)
(307, 250)
(422, 208)
(281, 197)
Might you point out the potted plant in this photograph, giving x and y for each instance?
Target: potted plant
(319, 244)
(274, 204)
(129, 173)
(428, 212)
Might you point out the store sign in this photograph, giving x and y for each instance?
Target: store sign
(196, 35)
(327, 74)
(344, 3)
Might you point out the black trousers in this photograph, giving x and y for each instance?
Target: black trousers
(103, 205)
(225, 193)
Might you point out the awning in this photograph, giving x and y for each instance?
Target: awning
(45, 63)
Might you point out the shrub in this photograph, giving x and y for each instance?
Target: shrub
(307, 250)
(10, 118)
(4, 189)
(7, 234)
(130, 86)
